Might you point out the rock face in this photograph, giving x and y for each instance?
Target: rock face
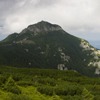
(42, 27)
(46, 45)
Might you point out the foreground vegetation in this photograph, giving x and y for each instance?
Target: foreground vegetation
(43, 84)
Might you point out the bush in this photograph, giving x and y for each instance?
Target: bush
(86, 95)
(97, 97)
(11, 86)
(46, 90)
(47, 81)
(2, 80)
(24, 83)
(68, 90)
(17, 78)
(69, 97)
(20, 97)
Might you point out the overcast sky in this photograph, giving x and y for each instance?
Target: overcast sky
(78, 17)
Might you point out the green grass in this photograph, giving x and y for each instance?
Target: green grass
(43, 84)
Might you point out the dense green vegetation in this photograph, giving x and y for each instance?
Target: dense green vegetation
(43, 84)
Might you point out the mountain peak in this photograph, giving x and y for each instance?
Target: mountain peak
(43, 22)
(46, 45)
(42, 26)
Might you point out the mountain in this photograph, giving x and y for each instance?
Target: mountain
(46, 45)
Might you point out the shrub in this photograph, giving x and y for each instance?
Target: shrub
(97, 97)
(69, 97)
(17, 78)
(24, 83)
(68, 90)
(46, 90)
(2, 80)
(86, 95)
(20, 97)
(11, 86)
(47, 81)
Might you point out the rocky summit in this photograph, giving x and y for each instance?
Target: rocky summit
(46, 45)
(42, 27)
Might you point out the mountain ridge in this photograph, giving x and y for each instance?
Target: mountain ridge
(46, 45)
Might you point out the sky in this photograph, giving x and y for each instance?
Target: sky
(77, 17)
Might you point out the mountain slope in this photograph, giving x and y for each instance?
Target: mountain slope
(46, 45)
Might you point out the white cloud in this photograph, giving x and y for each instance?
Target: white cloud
(79, 17)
